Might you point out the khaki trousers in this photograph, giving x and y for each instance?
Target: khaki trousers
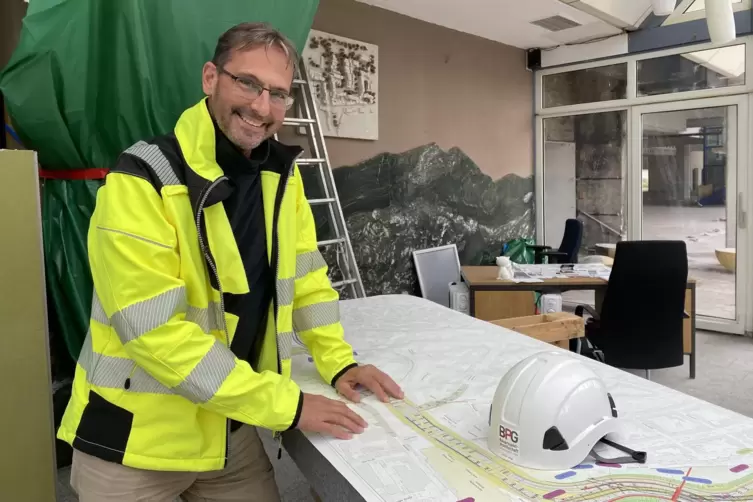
(248, 477)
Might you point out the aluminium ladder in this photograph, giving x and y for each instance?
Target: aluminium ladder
(308, 119)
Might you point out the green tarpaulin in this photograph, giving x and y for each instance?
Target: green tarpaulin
(91, 77)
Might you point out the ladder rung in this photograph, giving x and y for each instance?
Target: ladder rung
(343, 283)
(297, 122)
(309, 162)
(306, 120)
(330, 242)
(316, 202)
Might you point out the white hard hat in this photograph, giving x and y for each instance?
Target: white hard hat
(549, 412)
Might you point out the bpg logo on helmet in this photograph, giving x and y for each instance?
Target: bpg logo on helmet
(506, 434)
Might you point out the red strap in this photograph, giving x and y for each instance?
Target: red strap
(74, 174)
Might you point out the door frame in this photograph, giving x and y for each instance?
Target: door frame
(739, 155)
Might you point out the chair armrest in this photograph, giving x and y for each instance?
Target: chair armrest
(536, 247)
(580, 309)
(555, 253)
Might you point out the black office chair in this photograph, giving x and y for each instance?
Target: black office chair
(568, 250)
(641, 321)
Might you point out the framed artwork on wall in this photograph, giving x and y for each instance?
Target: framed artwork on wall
(344, 75)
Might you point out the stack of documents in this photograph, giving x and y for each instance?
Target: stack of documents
(538, 273)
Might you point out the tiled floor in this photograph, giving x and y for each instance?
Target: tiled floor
(724, 377)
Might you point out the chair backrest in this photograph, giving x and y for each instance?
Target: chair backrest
(436, 269)
(644, 304)
(571, 239)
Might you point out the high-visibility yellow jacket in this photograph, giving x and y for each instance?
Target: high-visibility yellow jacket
(157, 383)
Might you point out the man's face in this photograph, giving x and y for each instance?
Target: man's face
(246, 117)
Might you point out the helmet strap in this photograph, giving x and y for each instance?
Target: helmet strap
(635, 456)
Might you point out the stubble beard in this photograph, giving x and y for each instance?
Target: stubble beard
(243, 142)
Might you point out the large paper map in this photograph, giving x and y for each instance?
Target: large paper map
(432, 445)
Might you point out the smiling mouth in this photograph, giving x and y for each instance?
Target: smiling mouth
(253, 123)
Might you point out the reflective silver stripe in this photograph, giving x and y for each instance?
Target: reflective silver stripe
(208, 318)
(86, 354)
(153, 156)
(98, 311)
(199, 386)
(308, 262)
(316, 315)
(206, 378)
(134, 236)
(285, 291)
(112, 372)
(141, 381)
(199, 316)
(285, 344)
(141, 318)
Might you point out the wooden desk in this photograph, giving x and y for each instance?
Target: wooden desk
(492, 299)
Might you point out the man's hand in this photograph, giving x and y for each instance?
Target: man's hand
(370, 377)
(328, 416)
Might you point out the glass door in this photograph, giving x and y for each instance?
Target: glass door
(688, 182)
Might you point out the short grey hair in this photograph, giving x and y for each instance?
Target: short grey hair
(247, 36)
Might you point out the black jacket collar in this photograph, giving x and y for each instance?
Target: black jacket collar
(271, 155)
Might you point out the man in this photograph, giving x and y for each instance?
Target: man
(203, 253)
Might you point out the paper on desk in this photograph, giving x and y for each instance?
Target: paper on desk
(521, 276)
(536, 273)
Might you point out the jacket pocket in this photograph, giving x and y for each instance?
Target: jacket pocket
(104, 429)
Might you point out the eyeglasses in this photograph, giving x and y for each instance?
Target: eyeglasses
(277, 98)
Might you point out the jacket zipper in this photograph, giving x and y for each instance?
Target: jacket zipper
(213, 266)
(277, 435)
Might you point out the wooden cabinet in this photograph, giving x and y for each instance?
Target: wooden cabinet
(494, 305)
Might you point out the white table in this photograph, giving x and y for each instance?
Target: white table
(432, 445)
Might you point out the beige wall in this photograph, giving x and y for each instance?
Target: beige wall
(439, 85)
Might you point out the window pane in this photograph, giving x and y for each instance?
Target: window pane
(690, 197)
(709, 69)
(604, 83)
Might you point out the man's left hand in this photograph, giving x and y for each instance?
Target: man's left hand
(370, 377)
